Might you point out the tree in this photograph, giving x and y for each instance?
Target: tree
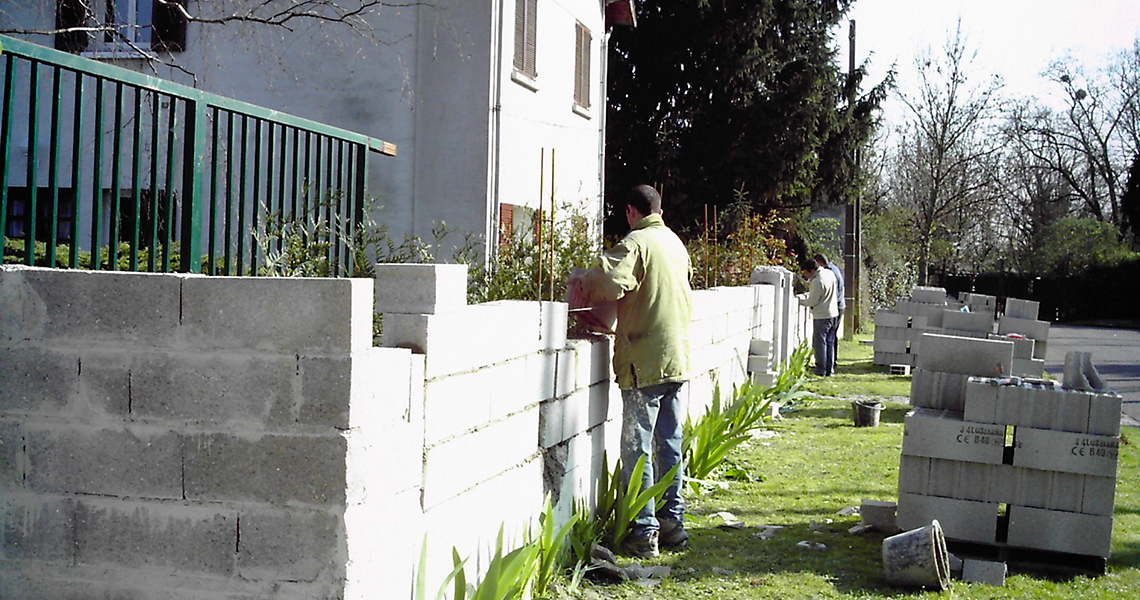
(712, 100)
(1130, 201)
(943, 167)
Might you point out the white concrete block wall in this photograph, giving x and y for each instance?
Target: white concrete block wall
(457, 427)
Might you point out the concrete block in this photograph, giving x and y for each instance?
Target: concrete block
(886, 318)
(983, 571)
(1028, 367)
(510, 389)
(928, 294)
(943, 391)
(540, 374)
(88, 307)
(1030, 328)
(981, 400)
(1040, 349)
(326, 391)
(420, 288)
(1013, 405)
(277, 314)
(156, 536)
(104, 382)
(947, 354)
(563, 418)
(880, 514)
(133, 461)
(11, 455)
(1003, 484)
(891, 334)
(37, 528)
(892, 358)
(979, 322)
(760, 347)
(960, 519)
(1059, 531)
(759, 364)
(974, 480)
(1067, 493)
(553, 325)
(468, 338)
(466, 460)
(1098, 496)
(891, 346)
(37, 380)
(1034, 487)
(1022, 309)
(938, 434)
(290, 545)
(1073, 411)
(1022, 346)
(944, 477)
(764, 379)
(920, 322)
(1104, 414)
(1065, 451)
(458, 403)
(214, 387)
(387, 387)
(273, 468)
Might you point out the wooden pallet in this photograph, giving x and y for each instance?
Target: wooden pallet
(1041, 563)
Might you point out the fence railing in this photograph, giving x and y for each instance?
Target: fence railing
(107, 168)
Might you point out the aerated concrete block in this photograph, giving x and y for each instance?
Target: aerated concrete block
(942, 391)
(1022, 346)
(1059, 531)
(890, 346)
(454, 404)
(759, 364)
(983, 571)
(960, 519)
(880, 515)
(89, 307)
(1022, 309)
(420, 288)
(464, 461)
(1067, 452)
(978, 322)
(164, 537)
(1104, 414)
(277, 314)
(947, 354)
(1030, 328)
(941, 434)
(891, 334)
(1098, 496)
(1067, 493)
(277, 469)
(291, 544)
(914, 474)
(136, 462)
(760, 347)
(1028, 367)
(981, 400)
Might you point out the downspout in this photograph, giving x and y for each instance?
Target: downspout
(492, 246)
(602, 132)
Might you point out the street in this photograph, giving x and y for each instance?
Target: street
(1115, 353)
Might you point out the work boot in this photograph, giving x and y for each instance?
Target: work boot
(641, 545)
(673, 535)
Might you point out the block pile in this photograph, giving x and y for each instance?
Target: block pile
(760, 363)
(898, 332)
(1004, 461)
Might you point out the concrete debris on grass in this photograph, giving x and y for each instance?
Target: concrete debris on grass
(819, 525)
(861, 529)
(722, 571)
(812, 545)
(604, 568)
(768, 532)
(728, 520)
(850, 511)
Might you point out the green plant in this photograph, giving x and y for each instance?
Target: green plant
(740, 239)
(631, 498)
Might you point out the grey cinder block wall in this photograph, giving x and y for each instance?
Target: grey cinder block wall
(208, 437)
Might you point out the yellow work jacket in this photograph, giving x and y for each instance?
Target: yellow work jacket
(647, 273)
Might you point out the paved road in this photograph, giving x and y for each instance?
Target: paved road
(1115, 353)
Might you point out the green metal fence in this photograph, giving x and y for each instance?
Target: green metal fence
(106, 168)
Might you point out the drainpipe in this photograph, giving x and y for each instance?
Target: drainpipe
(492, 246)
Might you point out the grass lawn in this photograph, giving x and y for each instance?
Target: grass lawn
(818, 463)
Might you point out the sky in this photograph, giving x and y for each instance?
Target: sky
(1016, 39)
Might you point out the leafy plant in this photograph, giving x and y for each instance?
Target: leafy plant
(631, 499)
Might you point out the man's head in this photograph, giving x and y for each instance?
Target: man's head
(820, 260)
(640, 202)
(808, 267)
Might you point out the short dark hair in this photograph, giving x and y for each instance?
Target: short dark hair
(808, 264)
(820, 260)
(644, 199)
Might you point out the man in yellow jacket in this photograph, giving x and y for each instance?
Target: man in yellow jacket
(647, 274)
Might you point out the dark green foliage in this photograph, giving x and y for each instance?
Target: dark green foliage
(711, 97)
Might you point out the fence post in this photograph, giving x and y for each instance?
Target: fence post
(193, 163)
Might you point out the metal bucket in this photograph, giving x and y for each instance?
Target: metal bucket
(918, 558)
(866, 413)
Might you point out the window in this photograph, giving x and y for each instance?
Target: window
(49, 212)
(526, 37)
(120, 26)
(582, 66)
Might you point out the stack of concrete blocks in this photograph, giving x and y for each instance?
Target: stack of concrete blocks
(1008, 462)
(787, 327)
(760, 363)
(195, 437)
(1020, 324)
(923, 314)
(978, 303)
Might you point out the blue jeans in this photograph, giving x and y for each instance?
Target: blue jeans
(822, 341)
(651, 427)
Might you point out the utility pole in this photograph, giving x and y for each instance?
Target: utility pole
(852, 238)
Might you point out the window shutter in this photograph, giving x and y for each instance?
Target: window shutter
(169, 26)
(71, 13)
(582, 66)
(506, 225)
(526, 37)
